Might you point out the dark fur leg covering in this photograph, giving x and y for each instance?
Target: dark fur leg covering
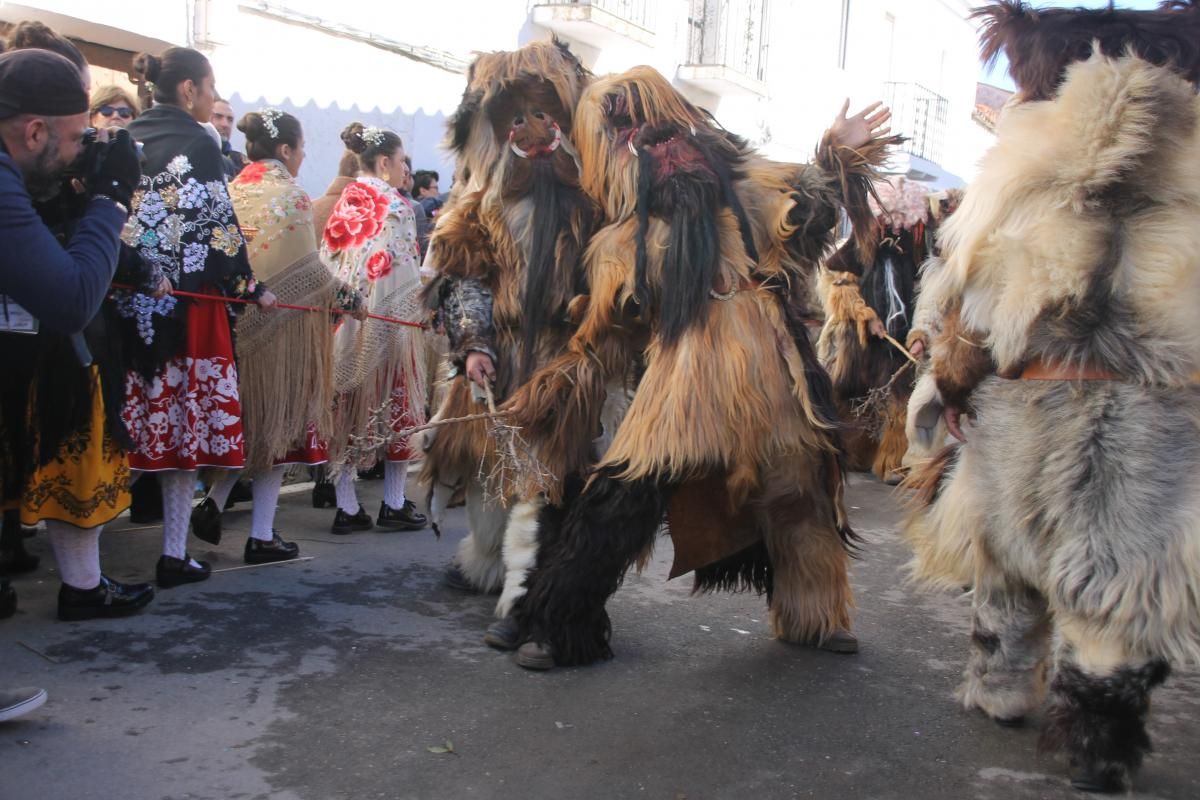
(582, 564)
(1101, 722)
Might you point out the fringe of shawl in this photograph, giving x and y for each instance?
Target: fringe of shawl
(373, 359)
(285, 365)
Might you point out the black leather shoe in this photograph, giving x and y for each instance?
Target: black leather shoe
(456, 579)
(260, 552)
(344, 523)
(109, 599)
(323, 495)
(503, 634)
(206, 521)
(535, 656)
(8, 600)
(177, 571)
(405, 518)
(240, 493)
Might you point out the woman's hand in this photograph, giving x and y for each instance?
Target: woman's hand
(267, 301)
(163, 289)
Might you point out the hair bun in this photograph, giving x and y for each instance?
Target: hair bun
(253, 126)
(148, 67)
(352, 138)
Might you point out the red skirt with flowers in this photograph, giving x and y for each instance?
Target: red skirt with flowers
(310, 452)
(189, 416)
(401, 418)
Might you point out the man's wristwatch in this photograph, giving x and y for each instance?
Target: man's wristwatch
(112, 200)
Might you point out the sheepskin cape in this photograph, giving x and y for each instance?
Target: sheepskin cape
(1078, 246)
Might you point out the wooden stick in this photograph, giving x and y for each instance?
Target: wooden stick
(268, 564)
(901, 348)
(37, 652)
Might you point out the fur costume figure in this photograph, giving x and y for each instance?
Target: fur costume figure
(873, 296)
(1069, 286)
(693, 286)
(924, 428)
(507, 259)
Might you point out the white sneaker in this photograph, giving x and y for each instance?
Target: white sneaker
(19, 702)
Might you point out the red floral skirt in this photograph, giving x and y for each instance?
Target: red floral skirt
(401, 418)
(189, 416)
(310, 452)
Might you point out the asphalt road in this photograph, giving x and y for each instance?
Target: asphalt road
(332, 678)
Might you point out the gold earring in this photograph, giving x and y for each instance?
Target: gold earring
(190, 105)
(387, 177)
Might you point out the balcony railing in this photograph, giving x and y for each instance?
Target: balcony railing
(634, 12)
(730, 34)
(920, 114)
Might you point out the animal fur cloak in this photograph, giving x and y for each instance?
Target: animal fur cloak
(1070, 284)
(507, 257)
(692, 285)
(872, 380)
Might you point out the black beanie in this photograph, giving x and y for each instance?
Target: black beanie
(40, 82)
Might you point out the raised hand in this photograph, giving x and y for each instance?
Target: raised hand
(868, 124)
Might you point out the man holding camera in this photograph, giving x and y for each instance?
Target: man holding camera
(58, 456)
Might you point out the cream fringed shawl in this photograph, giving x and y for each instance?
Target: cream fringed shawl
(285, 357)
(370, 243)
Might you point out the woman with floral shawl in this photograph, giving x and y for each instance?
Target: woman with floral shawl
(370, 243)
(182, 407)
(285, 359)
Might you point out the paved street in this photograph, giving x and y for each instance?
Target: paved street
(332, 678)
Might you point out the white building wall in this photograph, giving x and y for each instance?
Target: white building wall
(328, 80)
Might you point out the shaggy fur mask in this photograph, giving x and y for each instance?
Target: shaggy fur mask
(511, 135)
(1042, 43)
(645, 151)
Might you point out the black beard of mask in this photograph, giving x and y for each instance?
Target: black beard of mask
(550, 271)
(690, 202)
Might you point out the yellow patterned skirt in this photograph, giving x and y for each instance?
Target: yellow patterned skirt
(87, 482)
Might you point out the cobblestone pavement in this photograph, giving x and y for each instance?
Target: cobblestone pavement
(332, 678)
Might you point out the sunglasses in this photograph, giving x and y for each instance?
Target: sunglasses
(124, 112)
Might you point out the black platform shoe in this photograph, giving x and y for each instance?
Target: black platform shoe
(344, 523)
(405, 518)
(206, 521)
(109, 599)
(323, 495)
(260, 552)
(172, 571)
(8, 599)
(240, 493)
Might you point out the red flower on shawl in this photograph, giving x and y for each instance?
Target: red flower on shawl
(379, 265)
(252, 173)
(357, 217)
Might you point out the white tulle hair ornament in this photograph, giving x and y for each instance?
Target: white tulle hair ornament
(269, 117)
(902, 203)
(372, 135)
